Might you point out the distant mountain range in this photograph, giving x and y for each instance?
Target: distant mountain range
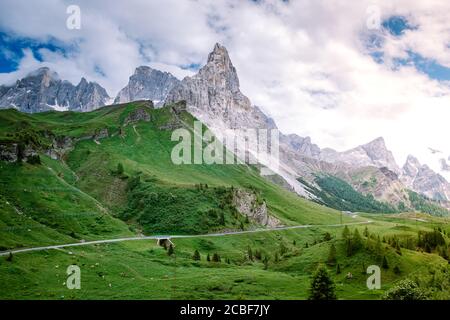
(214, 97)
(43, 90)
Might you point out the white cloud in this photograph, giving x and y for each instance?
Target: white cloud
(303, 62)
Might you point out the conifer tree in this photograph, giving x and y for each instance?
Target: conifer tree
(332, 255)
(384, 264)
(196, 256)
(322, 286)
(346, 233)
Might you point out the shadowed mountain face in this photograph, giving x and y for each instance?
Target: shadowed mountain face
(43, 90)
(147, 84)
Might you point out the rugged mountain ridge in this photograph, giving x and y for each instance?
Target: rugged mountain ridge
(213, 96)
(147, 84)
(43, 90)
(422, 179)
(374, 153)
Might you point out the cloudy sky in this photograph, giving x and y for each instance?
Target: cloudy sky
(342, 72)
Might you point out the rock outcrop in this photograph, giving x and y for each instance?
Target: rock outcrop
(14, 152)
(60, 147)
(8, 152)
(137, 115)
(249, 204)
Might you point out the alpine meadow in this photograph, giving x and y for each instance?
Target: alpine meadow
(182, 187)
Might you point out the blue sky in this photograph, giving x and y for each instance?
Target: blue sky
(12, 47)
(396, 26)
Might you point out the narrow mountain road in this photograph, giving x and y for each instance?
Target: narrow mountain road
(222, 234)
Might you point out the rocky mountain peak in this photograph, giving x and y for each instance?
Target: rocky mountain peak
(219, 70)
(378, 153)
(302, 145)
(422, 179)
(44, 72)
(147, 84)
(44, 76)
(412, 162)
(142, 70)
(43, 90)
(83, 82)
(376, 148)
(219, 53)
(378, 142)
(213, 95)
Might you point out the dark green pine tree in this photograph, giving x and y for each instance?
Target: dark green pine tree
(366, 232)
(338, 269)
(349, 246)
(357, 240)
(322, 286)
(119, 168)
(216, 257)
(208, 258)
(327, 236)
(345, 232)
(221, 218)
(332, 255)
(196, 256)
(384, 264)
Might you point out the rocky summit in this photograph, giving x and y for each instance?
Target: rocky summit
(43, 90)
(213, 95)
(147, 84)
(422, 179)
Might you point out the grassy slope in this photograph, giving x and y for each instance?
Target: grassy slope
(142, 270)
(139, 269)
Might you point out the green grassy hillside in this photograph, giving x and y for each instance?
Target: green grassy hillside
(125, 184)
